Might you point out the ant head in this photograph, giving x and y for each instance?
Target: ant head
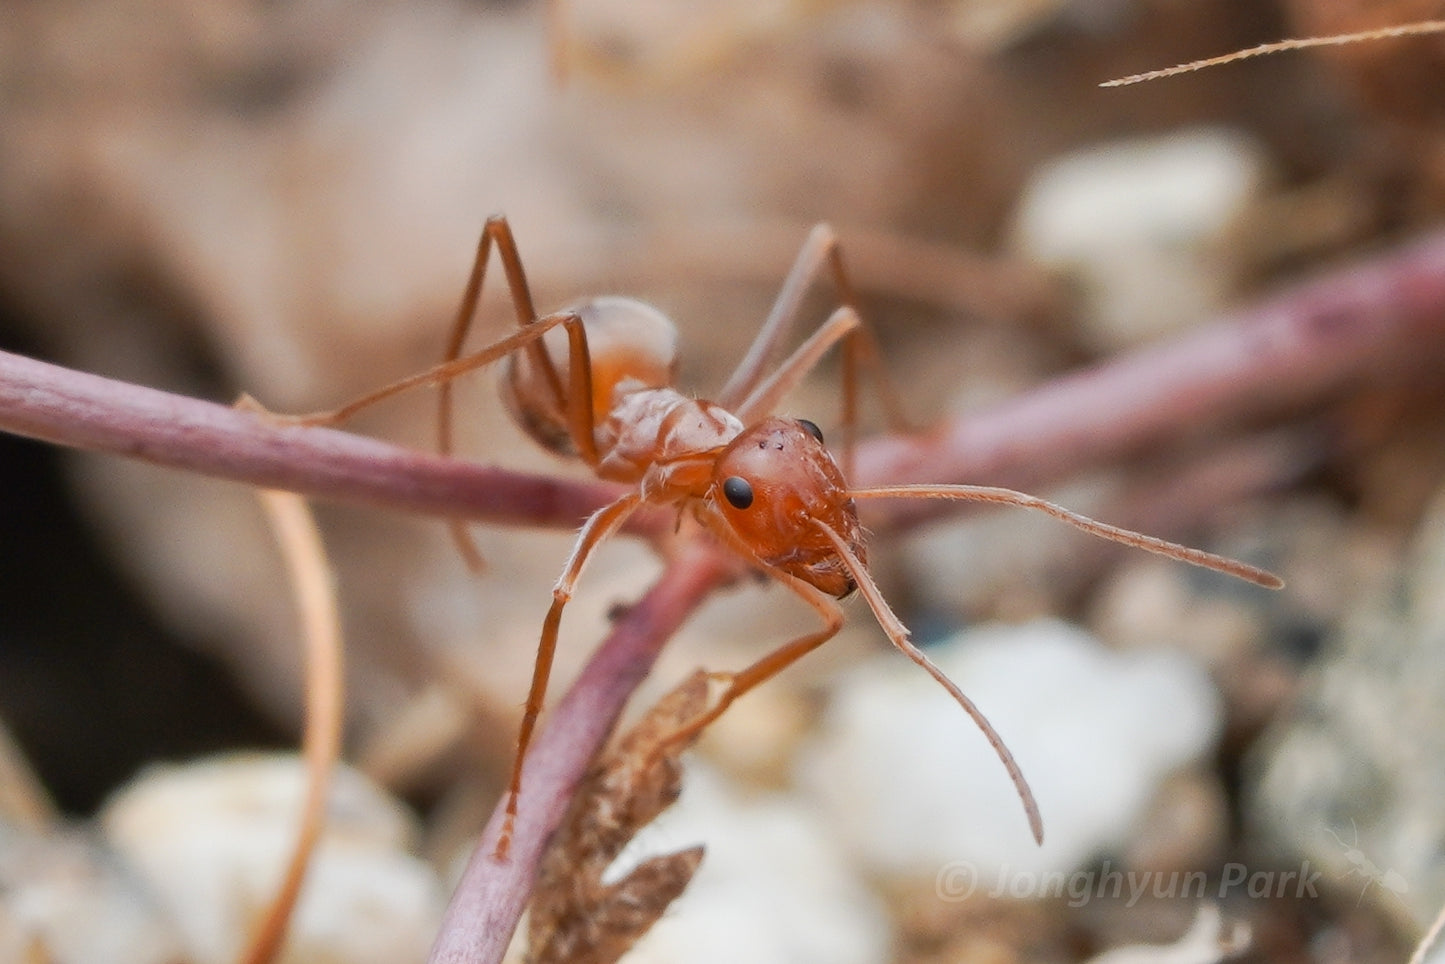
(771, 485)
(630, 345)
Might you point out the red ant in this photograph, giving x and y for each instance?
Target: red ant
(764, 486)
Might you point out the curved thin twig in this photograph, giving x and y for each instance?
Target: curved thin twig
(314, 582)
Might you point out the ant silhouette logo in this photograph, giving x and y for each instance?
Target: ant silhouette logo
(1390, 880)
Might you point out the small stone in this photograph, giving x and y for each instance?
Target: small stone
(905, 779)
(773, 888)
(1139, 224)
(65, 900)
(1351, 779)
(211, 840)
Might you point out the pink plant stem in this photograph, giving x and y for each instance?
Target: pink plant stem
(1367, 323)
(87, 411)
(492, 894)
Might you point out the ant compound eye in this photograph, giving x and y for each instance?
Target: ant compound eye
(812, 429)
(738, 492)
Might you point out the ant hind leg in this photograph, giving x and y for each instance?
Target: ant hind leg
(573, 396)
(602, 523)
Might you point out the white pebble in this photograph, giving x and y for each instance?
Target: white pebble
(1209, 940)
(772, 889)
(211, 840)
(1141, 225)
(64, 900)
(907, 780)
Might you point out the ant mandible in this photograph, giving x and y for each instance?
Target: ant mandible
(766, 487)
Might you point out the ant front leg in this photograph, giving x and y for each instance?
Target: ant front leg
(602, 523)
(748, 390)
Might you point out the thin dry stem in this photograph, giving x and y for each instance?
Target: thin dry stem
(1416, 29)
(577, 917)
(314, 586)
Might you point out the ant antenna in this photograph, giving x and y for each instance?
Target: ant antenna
(899, 634)
(986, 493)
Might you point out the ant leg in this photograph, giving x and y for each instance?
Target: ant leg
(575, 398)
(861, 350)
(770, 665)
(579, 417)
(820, 252)
(578, 387)
(603, 523)
(820, 244)
(442, 374)
(769, 392)
(899, 635)
(498, 231)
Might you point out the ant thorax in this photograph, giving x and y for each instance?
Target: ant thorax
(664, 442)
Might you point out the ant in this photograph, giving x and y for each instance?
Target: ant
(594, 382)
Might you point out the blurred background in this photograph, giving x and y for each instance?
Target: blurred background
(284, 198)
